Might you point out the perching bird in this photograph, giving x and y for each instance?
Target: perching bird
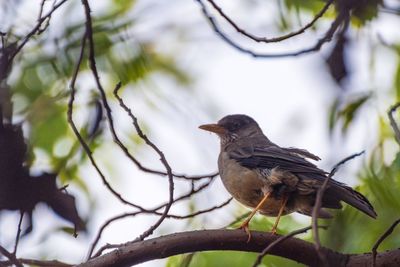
(274, 180)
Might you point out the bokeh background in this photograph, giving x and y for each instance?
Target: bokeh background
(176, 74)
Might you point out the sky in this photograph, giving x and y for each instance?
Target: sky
(288, 98)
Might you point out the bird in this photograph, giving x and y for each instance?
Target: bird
(274, 180)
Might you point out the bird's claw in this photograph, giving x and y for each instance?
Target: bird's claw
(245, 227)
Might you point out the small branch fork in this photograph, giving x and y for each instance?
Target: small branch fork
(37, 29)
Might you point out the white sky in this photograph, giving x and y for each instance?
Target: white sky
(288, 98)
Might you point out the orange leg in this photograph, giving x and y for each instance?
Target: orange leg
(245, 224)
(284, 200)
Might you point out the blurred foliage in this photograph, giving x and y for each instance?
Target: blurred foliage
(40, 80)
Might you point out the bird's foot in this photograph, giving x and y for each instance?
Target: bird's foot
(245, 227)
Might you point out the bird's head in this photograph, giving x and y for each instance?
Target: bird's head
(233, 127)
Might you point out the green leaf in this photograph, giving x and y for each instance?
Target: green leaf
(348, 113)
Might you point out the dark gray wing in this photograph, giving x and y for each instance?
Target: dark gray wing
(310, 176)
(270, 157)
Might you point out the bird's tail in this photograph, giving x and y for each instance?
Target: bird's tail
(351, 197)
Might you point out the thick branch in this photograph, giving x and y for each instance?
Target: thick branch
(206, 240)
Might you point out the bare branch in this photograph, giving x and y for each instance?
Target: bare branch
(194, 214)
(117, 140)
(72, 123)
(342, 17)
(153, 211)
(36, 29)
(162, 159)
(131, 214)
(381, 239)
(208, 240)
(274, 39)
(103, 227)
(186, 242)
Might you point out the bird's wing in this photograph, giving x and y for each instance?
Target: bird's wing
(269, 157)
(310, 176)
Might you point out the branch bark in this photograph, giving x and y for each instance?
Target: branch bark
(206, 240)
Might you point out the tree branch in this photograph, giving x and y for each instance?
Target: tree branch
(207, 240)
(341, 18)
(273, 39)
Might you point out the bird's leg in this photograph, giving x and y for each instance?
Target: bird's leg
(245, 224)
(284, 200)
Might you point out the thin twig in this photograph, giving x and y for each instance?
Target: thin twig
(194, 214)
(116, 139)
(92, 61)
(162, 159)
(41, 9)
(18, 233)
(318, 203)
(103, 227)
(273, 39)
(84, 145)
(35, 29)
(132, 214)
(142, 210)
(393, 123)
(381, 239)
(342, 17)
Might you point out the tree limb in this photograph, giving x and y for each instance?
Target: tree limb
(206, 240)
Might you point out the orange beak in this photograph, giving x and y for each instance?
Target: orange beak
(215, 128)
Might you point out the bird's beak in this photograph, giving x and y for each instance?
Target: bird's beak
(215, 128)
